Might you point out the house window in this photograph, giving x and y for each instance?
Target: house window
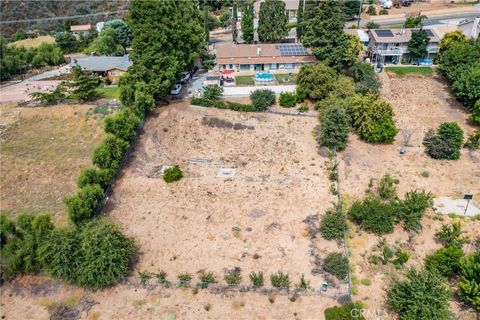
(274, 66)
(244, 67)
(397, 44)
(113, 73)
(289, 65)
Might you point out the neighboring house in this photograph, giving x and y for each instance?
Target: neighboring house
(78, 29)
(391, 45)
(361, 34)
(262, 57)
(470, 27)
(105, 66)
(290, 5)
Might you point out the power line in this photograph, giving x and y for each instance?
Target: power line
(62, 18)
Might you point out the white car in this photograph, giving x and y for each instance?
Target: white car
(185, 77)
(176, 90)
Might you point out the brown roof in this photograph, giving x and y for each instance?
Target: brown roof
(80, 27)
(398, 36)
(248, 54)
(289, 5)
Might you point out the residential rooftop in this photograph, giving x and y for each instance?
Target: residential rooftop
(103, 63)
(396, 35)
(80, 27)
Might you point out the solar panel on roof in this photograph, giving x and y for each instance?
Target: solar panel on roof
(292, 50)
(384, 33)
(428, 31)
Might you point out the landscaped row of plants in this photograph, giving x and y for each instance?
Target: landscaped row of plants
(232, 278)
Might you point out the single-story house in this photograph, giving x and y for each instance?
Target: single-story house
(78, 29)
(105, 66)
(391, 45)
(470, 27)
(262, 57)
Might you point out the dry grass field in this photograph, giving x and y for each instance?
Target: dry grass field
(33, 43)
(42, 151)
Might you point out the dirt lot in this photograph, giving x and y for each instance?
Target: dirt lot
(42, 151)
(217, 223)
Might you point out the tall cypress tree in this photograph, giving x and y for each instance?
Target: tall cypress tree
(273, 20)
(417, 46)
(324, 33)
(300, 19)
(247, 23)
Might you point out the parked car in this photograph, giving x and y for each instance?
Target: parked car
(185, 77)
(176, 90)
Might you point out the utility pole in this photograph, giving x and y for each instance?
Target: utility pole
(359, 13)
(234, 21)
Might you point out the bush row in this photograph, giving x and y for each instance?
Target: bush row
(220, 104)
(232, 278)
(260, 100)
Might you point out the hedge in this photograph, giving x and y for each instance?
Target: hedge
(109, 153)
(83, 206)
(220, 104)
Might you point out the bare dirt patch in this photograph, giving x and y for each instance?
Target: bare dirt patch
(42, 151)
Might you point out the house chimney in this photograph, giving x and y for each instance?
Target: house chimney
(258, 51)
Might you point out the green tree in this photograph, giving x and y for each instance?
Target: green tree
(366, 78)
(475, 116)
(167, 37)
(300, 21)
(262, 98)
(66, 41)
(373, 215)
(91, 176)
(122, 32)
(106, 44)
(83, 206)
(49, 97)
(273, 20)
(417, 46)
(109, 152)
(457, 59)
(335, 126)
(414, 21)
(451, 38)
(20, 35)
(324, 34)
(373, 119)
(446, 142)
(122, 125)
(316, 81)
(213, 92)
(143, 101)
(423, 295)
(336, 264)
(469, 285)
(84, 86)
(106, 254)
(225, 18)
(247, 23)
(467, 86)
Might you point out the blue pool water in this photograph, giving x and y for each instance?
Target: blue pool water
(264, 77)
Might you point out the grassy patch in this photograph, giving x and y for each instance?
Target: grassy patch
(109, 92)
(33, 43)
(410, 70)
(286, 78)
(244, 80)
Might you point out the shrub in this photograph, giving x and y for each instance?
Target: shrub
(465, 87)
(373, 119)
(402, 256)
(451, 235)
(145, 276)
(333, 225)
(336, 264)
(367, 80)
(83, 206)
(473, 141)
(373, 215)
(372, 25)
(422, 295)
(172, 174)
(61, 255)
(106, 254)
(206, 278)
(161, 277)
(446, 142)
(386, 188)
(383, 12)
(90, 176)
(257, 279)
(223, 105)
(371, 11)
(412, 208)
(469, 285)
(233, 277)
(212, 92)
(346, 312)
(366, 282)
(335, 126)
(288, 99)
(475, 116)
(123, 125)
(143, 104)
(109, 154)
(262, 98)
(303, 284)
(315, 81)
(446, 261)
(280, 280)
(184, 279)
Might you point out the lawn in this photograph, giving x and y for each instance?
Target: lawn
(410, 70)
(244, 80)
(109, 92)
(286, 78)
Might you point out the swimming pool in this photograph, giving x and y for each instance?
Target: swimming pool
(264, 77)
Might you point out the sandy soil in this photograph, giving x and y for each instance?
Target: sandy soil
(42, 151)
(21, 91)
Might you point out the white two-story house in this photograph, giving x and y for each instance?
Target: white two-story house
(390, 46)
